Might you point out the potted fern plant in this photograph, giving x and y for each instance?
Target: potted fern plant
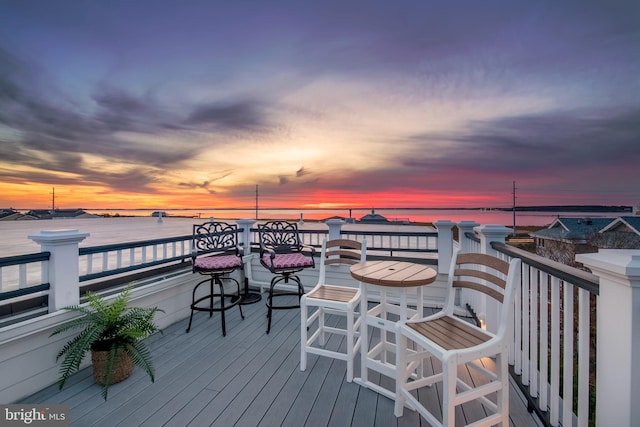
(114, 333)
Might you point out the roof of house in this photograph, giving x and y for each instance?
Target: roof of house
(9, 214)
(630, 222)
(59, 213)
(373, 217)
(6, 212)
(572, 229)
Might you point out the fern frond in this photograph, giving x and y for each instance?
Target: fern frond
(139, 352)
(87, 317)
(74, 351)
(118, 306)
(97, 303)
(138, 322)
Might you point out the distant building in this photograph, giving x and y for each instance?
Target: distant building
(60, 213)
(8, 213)
(373, 218)
(25, 217)
(622, 233)
(566, 237)
(13, 215)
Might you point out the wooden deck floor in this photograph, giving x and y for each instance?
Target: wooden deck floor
(247, 378)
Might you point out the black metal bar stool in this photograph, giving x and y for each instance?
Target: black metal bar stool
(282, 253)
(215, 253)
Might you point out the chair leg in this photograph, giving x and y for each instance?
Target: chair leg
(449, 383)
(193, 299)
(401, 372)
(190, 320)
(502, 369)
(270, 303)
(303, 335)
(222, 310)
(211, 298)
(350, 345)
(321, 337)
(269, 313)
(239, 297)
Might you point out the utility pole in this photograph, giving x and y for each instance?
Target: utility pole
(53, 200)
(256, 202)
(514, 209)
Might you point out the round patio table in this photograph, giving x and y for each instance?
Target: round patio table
(393, 280)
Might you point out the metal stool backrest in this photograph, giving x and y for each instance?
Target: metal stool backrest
(215, 238)
(280, 237)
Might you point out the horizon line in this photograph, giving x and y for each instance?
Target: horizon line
(517, 207)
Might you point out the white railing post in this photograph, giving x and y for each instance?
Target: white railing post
(247, 256)
(463, 228)
(64, 270)
(335, 227)
(445, 244)
(245, 237)
(618, 335)
(489, 233)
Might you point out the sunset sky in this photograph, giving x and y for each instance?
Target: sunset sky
(322, 103)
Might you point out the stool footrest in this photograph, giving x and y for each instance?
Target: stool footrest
(281, 307)
(232, 298)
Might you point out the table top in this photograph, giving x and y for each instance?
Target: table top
(393, 273)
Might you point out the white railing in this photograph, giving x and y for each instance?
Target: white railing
(547, 335)
(23, 271)
(394, 243)
(554, 322)
(24, 275)
(416, 244)
(102, 261)
(556, 338)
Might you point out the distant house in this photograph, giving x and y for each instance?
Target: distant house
(60, 213)
(373, 218)
(566, 237)
(8, 214)
(25, 217)
(622, 233)
(13, 215)
(5, 212)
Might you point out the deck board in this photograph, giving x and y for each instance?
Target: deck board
(247, 378)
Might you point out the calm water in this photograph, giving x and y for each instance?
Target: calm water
(413, 215)
(14, 238)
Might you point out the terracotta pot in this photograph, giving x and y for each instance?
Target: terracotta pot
(124, 366)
